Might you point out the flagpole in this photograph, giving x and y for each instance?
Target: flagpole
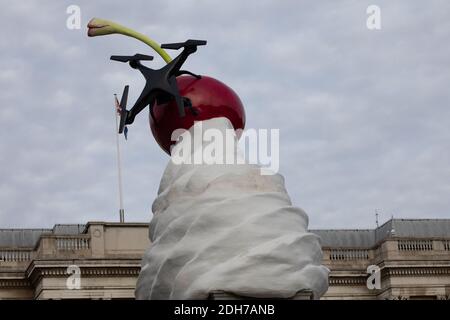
(121, 209)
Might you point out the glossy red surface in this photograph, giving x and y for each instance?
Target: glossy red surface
(210, 97)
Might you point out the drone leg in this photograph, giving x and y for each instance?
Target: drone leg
(130, 117)
(123, 120)
(180, 105)
(187, 102)
(190, 73)
(175, 93)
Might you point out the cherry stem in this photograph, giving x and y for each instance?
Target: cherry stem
(111, 27)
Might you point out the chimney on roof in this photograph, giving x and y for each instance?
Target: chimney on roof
(392, 225)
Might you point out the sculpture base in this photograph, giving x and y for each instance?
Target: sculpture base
(222, 295)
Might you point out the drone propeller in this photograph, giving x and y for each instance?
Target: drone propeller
(136, 57)
(123, 109)
(186, 44)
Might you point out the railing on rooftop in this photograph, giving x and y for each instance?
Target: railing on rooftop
(446, 245)
(415, 245)
(349, 254)
(78, 242)
(15, 255)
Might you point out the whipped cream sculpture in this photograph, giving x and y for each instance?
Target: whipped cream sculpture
(215, 227)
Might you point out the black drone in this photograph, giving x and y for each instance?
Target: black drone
(161, 84)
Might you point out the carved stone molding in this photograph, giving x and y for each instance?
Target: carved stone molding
(418, 271)
(347, 281)
(38, 272)
(14, 283)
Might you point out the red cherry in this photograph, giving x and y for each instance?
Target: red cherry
(210, 99)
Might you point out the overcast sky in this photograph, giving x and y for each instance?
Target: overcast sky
(364, 115)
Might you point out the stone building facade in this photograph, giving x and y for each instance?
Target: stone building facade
(413, 257)
(101, 260)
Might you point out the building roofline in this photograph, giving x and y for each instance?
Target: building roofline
(416, 228)
(137, 223)
(382, 225)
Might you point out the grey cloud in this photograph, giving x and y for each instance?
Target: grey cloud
(363, 114)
